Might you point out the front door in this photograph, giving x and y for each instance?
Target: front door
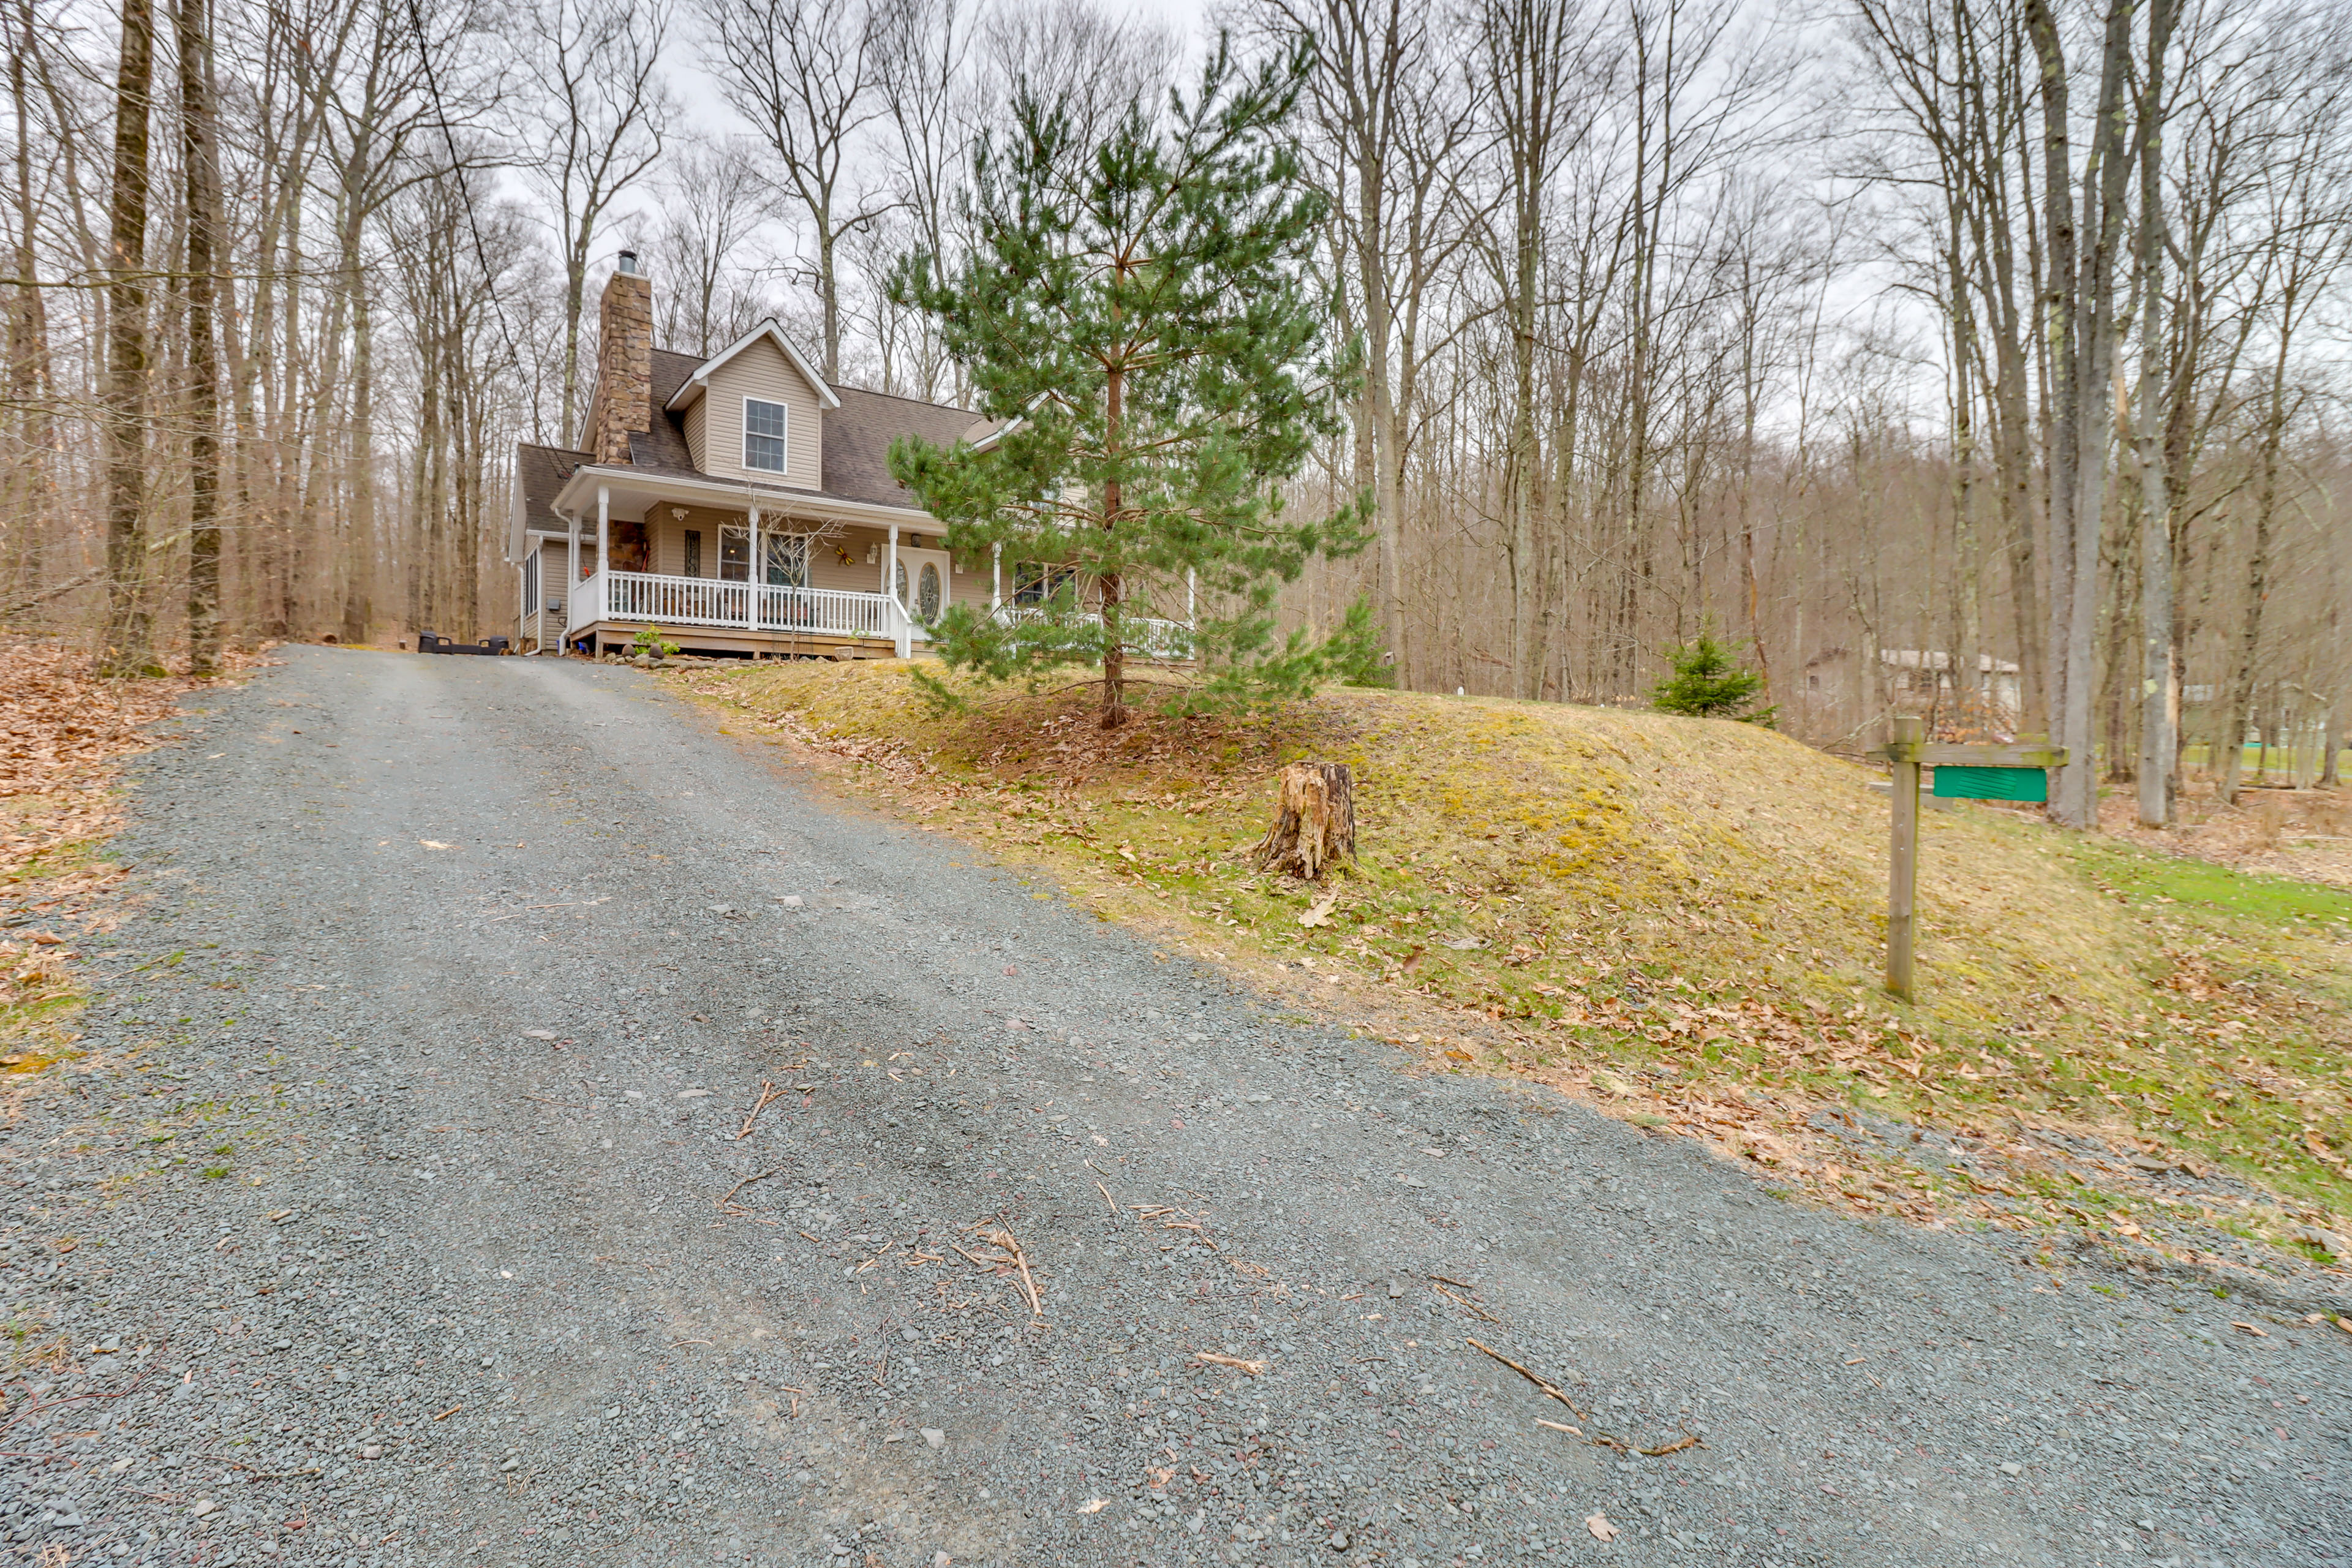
(923, 583)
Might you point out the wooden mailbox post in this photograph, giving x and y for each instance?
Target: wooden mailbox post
(1979, 773)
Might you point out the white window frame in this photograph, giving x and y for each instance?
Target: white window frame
(789, 552)
(782, 438)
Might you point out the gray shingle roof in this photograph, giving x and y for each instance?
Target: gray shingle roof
(542, 472)
(663, 447)
(858, 434)
(856, 458)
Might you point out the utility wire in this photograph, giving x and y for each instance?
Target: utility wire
(465, 197)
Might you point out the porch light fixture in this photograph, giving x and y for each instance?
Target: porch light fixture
(872, 553)
(677, 514)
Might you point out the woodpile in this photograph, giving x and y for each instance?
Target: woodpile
(1315, 821)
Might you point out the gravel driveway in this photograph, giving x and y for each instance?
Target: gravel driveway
(411, 1224)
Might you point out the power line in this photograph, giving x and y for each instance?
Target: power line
(465, 197)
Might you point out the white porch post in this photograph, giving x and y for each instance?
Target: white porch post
(759, 573)
(996, 577)
(905, 628)
(570, 578)
(603, 548)
(1190, 584)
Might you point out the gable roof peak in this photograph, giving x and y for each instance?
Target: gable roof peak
(694, 385)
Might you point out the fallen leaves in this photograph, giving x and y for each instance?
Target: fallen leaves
(2256, 1329)
(63, 721)
(1601, 1528)
(1093, 1505)
(62, 730)
(1212, 1358)
(1321, 913)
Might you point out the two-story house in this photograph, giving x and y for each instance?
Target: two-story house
(736, 502)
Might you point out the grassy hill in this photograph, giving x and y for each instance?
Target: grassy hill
(1680, 917)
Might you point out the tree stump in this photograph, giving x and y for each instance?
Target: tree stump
(1314, 823)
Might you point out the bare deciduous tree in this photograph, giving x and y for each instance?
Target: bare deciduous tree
(807, 74)
(603, 108)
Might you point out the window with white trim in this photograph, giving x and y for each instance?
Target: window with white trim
(788, 556)
(1036, 582)
(763, 436)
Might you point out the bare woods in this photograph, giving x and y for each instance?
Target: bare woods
(285, 285)
(1981, 358)
(1971, 357)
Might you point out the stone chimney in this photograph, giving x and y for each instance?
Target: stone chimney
(624, 362)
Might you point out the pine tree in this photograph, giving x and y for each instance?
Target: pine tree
(1144, 318)
(1709, 683)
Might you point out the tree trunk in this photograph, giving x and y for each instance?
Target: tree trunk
(359, 579)
(2079, 318)
(2240, 699)
(29, 497)
(828, 283)
(575, 289)
(1113, 689)
(128, 637)
(193, 25)
(1314, 822)
(2156, 564)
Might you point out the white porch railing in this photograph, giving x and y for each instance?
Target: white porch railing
(1157, 639)
(648, 599)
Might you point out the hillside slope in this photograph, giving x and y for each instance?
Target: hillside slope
(1682, 915)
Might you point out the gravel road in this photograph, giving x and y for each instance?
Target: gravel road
(411, 1223)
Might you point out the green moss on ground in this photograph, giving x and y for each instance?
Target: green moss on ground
(1691, 902)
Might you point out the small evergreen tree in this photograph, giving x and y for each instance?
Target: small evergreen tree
(1144, 318)
(1708, 682)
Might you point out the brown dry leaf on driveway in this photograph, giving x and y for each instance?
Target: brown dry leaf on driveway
(1600, 1527)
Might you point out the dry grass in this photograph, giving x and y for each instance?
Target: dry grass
(1678, 917)
(2302, 833)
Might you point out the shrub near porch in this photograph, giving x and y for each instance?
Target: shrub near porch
(1673, 912)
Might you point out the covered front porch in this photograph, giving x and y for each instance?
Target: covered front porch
(612, 607)
(721, 567)
(760, 570)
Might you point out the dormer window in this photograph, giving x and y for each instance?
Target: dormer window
(763, 436)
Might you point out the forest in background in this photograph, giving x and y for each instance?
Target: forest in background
(1984, 359)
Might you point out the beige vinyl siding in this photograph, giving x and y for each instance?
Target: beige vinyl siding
(552, 590)
(694, 433)
(827, 570)
(666, 536)
(761, 371)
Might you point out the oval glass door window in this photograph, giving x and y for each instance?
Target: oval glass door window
(927, 593)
